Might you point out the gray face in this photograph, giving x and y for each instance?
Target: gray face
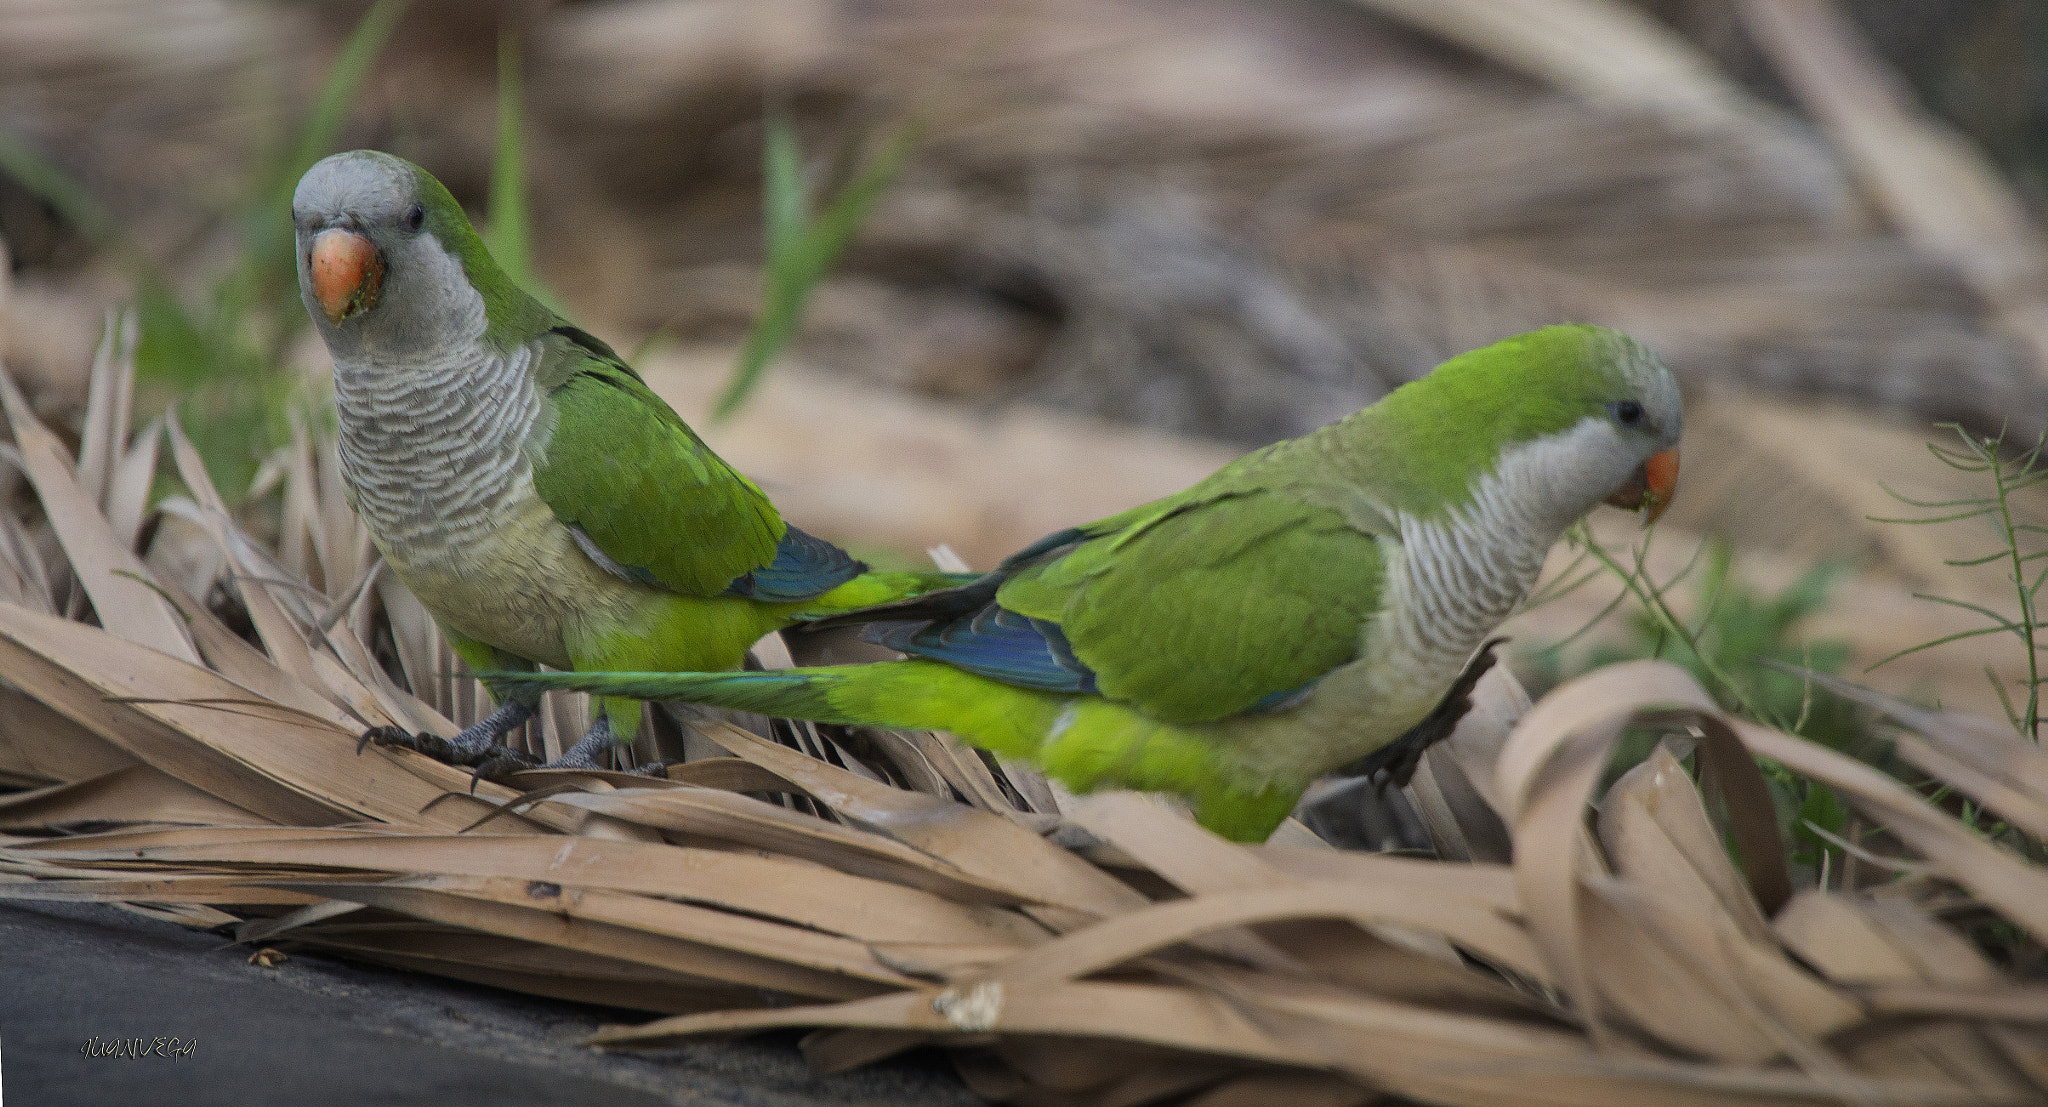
(1647, 381)
(424, 301)
(1648, 422)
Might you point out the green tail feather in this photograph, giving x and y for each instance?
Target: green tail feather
(905, 694)
(1085, 742)
(873, 589)
(790, 693)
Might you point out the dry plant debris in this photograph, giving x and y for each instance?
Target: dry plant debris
(888, 891)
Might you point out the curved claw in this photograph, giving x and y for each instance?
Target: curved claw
(500, 763)
(384, 736)
(432, 745)
(492, 761)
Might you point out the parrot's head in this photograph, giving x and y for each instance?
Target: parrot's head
(1562, 419)
(388, 263)
(1638, 421)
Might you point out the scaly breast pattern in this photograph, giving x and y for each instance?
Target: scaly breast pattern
(1450, 581)
(435, 453)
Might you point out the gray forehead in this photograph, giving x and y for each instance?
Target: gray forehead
(1646, 372)
(1658, 387)
(1661, 384)
(363, 182)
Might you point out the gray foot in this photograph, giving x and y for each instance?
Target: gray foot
(596, 742)
(593, 751)
(481, 745)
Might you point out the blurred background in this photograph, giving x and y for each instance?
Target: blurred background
(1129, 239)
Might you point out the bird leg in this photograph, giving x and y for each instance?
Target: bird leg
(596, 742)
(592, 752)
(1394, 764)
(481, 743)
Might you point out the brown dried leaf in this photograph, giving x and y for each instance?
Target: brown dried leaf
(110, 387)
(674, 936)
(1999, 878)
(137, 793)
(771, 887)
(120, 587)
(725, 816)
(986, 846)
(213, 735)
(40, 743)
(128, 491)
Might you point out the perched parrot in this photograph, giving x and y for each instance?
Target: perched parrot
(1299, 610)
(544, 505)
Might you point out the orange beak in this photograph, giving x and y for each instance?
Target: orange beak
(347, 273)
(1651, 486)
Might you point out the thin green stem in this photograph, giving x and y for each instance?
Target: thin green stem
(1653, 602)
(2026, 595)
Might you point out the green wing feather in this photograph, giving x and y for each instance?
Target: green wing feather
(1200, 607)
(622, 467)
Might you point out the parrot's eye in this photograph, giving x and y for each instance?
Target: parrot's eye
(1627, 412)
(416, 218)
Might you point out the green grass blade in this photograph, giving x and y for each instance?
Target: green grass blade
(843, 216)
(785, 208)
(2012, 714)
(1973, 513)
(271, 223)
(1587, 626)
(801, 251)
(509, 233)
(339, 92)
(1968, 562)
(2003, 622)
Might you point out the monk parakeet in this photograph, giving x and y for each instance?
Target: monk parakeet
(544, 505)
(1299, 609)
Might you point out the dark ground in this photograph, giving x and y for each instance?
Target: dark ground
(316, 1031)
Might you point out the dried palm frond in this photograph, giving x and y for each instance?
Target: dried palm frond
(1104, 952)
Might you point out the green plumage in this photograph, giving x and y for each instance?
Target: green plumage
(1259, 591)
(1086, 742)
(544, 504)
(622, 467)
(1302, 607)
(1419, 449)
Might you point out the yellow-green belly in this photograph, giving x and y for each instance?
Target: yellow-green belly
(526, 588)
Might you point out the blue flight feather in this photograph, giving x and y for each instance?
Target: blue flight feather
(804, 567)
(997, 643)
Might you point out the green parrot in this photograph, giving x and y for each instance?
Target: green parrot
(540, 500)
(1301, 609)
